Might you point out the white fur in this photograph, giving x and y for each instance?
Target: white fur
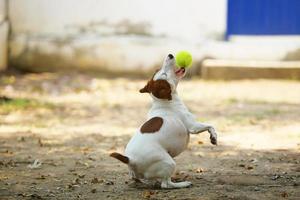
(150, 155)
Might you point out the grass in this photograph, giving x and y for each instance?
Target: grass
(8, 105)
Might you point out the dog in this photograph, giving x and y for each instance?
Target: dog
(150, 152)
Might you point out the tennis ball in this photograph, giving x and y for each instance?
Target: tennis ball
(183, 59)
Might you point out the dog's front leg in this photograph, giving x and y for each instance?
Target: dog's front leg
(197, 127)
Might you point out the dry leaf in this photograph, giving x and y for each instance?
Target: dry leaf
(40, 142)
(147, 194)
(109, 183)
(200, 142)
(199, 170)
(81, 175)
(41, 177)
(76, 181)
(96, 180)
(36, 164)
(284, 194)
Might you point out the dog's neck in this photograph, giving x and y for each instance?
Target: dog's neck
(175, 100)
(175, 103)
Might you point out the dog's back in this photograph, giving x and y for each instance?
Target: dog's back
(146, 148)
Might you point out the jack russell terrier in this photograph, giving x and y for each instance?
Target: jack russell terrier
(149, 154)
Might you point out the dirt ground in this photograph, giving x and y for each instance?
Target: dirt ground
(68, 125)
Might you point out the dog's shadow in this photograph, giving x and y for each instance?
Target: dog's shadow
(142, 185)
(151, 185)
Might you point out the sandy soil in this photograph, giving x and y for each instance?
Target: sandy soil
(77, 120)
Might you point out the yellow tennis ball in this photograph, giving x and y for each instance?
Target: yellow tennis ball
(183, 59)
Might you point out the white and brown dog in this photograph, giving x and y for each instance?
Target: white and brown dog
(149, 154)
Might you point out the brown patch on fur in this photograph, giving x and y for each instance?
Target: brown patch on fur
(160, 89)
(152, 125)
(120, 157)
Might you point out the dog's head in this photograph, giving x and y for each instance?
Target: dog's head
(164, 81)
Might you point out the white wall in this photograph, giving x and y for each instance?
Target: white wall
(124, 34)
(48, 34)
(178, 18)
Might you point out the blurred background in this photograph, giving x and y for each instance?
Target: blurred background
(133, 36)
(69, 81)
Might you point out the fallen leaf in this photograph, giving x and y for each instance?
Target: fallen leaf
(35, 196)
(275, 177)
(36, 164)
(40, 142)
(147, 194)
(250, 167)
(200, 142)
(91, 158)
(82, 163)
(76, 181)
(199, 170)
(70, 186)
(81, 175)
(109, 183)
(284, 194)
(41, 177)
(96, 180)
(21, 139)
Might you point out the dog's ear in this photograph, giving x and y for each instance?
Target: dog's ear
(145, 89)
(161, 89)
(164, 94)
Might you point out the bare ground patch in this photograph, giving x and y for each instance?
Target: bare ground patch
(76, 120)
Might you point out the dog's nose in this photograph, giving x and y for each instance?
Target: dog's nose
(170, 56)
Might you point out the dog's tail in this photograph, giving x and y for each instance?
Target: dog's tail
(120, 157)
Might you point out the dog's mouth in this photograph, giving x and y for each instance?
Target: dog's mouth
(180, 72)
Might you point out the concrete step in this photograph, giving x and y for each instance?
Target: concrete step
(245, 69)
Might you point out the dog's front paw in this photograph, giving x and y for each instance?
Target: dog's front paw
(213, 139)
(213, 136)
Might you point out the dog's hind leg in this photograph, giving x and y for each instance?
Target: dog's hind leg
(163, 170)
(168, 184)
